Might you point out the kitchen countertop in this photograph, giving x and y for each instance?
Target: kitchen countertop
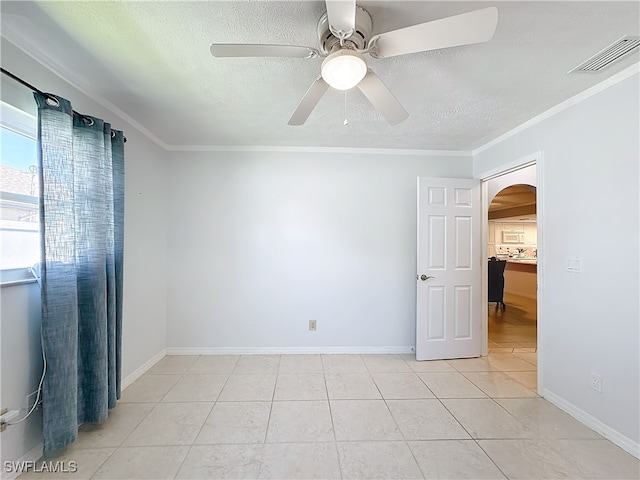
(521, 260)
(527, 261)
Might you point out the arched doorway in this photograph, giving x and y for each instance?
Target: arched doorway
(512, 238)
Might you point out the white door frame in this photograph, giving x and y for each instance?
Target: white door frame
(537, 159)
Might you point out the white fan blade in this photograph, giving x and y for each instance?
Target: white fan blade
(309, 102)
(468, 28)
(342, 17)
(253, 50)
(382, 98)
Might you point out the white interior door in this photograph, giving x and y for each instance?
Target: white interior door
(448, 323)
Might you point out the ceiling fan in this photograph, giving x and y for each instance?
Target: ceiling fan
(344, 33)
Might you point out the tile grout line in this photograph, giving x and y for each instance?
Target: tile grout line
(190, 447)
(490, 458)
(404, 439)
(183, 460)
(477, 441)
(273, 394)
(181, 375)
(504, 374)
(205, 420)
(105, 461)
(413, 455)
(333, 426)
(454, 417)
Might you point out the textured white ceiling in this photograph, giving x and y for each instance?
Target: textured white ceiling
(151, 61)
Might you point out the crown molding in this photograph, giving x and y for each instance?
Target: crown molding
(301, 149)
(561, 107)
(68, 77)
(58, 70)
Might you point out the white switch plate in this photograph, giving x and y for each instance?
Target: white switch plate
(574, 264)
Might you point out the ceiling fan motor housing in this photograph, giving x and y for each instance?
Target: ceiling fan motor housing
(359, 40)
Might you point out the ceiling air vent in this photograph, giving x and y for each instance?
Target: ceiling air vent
(606, 57)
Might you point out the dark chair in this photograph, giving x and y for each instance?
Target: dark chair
(496, 281)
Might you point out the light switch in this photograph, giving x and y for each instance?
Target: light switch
(574, 264)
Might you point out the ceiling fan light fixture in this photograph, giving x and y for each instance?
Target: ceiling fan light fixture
(344, 69)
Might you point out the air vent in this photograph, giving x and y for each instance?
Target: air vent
(609, 55)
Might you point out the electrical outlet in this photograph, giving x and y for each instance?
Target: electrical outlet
(312, 325)
(10, 415)
(596, 382)
(6, 417)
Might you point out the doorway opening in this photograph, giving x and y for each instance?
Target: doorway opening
(512, 238)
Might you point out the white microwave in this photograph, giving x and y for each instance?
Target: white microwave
(512, 237)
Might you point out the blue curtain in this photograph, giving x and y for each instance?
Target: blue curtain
(82, 221)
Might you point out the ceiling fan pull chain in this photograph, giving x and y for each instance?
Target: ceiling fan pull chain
(346, 122)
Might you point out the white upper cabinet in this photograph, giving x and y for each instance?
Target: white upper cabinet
(530, 234)
(528, 229)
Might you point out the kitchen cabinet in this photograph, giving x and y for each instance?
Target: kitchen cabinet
(528, 229)
(514, 227)
(530, 234)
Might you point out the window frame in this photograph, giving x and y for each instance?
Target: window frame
(22, 123)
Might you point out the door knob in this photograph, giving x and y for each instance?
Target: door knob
(424, 277)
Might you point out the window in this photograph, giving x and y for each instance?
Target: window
(19, 192)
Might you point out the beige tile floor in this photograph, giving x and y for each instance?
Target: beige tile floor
(342, 417)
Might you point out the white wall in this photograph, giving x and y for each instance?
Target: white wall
(145, 252)
(589, 207)
(145, 275)
(262, 242)
(21, 365)
(522, 176)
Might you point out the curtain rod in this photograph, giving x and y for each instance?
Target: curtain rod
(34, 89)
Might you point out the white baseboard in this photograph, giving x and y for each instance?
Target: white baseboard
(285, 350)
(593, 423)
(137, 373)
(32, 455)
